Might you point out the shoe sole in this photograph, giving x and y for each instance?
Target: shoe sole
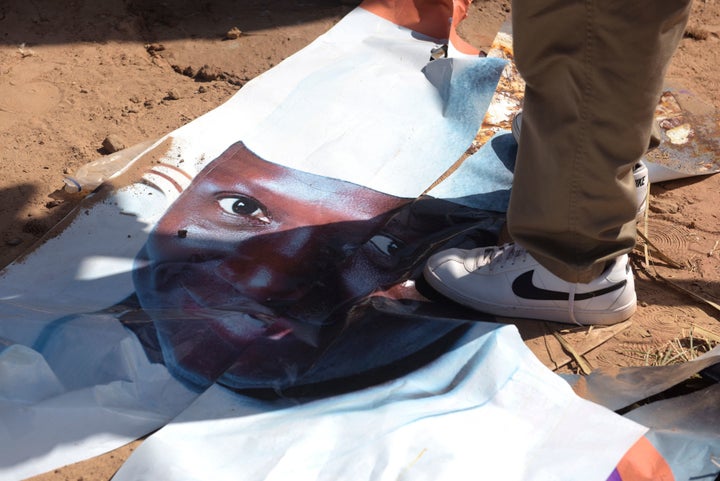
(549, 313)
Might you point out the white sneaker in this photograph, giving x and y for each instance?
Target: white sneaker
(642, 187)
(506, 281)
(640, 171)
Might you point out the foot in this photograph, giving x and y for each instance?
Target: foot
(506, 281)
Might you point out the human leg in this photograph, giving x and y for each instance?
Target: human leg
(594, 72)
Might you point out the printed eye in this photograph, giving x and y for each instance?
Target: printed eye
(244, 206)
(386, 245)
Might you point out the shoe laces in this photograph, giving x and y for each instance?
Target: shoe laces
(511, 254)
(498, 257)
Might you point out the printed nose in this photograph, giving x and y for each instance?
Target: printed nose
(263, 282)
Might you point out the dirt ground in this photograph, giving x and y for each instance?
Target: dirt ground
(74, 73)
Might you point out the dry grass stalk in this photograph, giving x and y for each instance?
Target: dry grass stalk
(660, 255)
(690, 346)
(656, 275)
(582, 363)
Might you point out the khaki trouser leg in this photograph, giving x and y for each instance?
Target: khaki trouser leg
(594, 71)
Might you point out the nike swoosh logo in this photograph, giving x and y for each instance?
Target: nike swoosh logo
(523, 287)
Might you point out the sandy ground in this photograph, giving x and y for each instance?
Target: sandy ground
(74, 73)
